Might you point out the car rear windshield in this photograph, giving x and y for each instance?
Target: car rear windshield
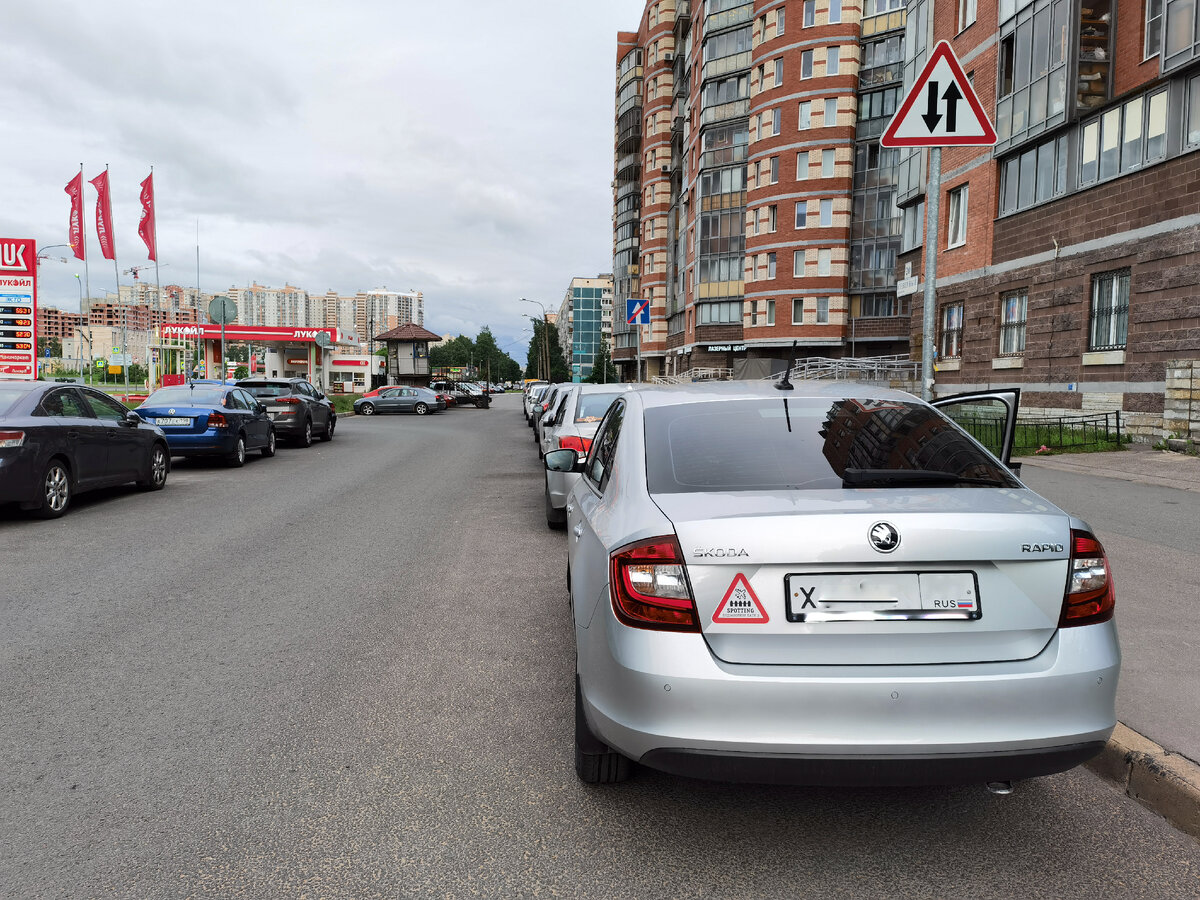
(9, 395)
(269, 390)
(182, 396)
(592, 407)
(810, 444)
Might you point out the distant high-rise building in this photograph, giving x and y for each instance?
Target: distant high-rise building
(584, 320)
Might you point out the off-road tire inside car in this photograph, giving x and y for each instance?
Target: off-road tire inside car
(55, 492)
(156, 469)
(595, 761)
(556, 519)
(327, 434)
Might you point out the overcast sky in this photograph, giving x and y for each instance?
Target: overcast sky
(461, 149)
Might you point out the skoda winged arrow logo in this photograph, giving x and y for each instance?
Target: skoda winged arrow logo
(884, 537)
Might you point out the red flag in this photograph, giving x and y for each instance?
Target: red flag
(146, 226)
(74, 190)
(104, 216)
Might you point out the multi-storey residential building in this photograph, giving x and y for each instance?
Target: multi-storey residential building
(778, 225)
(277, 307)
(135, 317)
(53, 322)
(380, 310)
(584, 320)
(1066, 254)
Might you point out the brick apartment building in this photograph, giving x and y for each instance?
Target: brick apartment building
(1069, 255)
(753, 206)
(53, 322)
(136, 317)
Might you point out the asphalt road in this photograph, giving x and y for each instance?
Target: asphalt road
(347, 672)
(1151, 534)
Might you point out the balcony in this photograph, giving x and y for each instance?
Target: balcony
(735, 109)
(683, 18)
(628, 76)
(629, 103)
(628, 166)
(630, 137)
(739, 62)
(739, 15)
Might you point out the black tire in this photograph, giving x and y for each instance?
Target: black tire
(56, 491)
(327, 434)
(421, 408)
(237, 458)
(595, 761)
(269, 450)
(305, 439)
(556, 519)
(367, 409)
(156, 469)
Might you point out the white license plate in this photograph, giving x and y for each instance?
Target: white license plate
(177, 420)
(857, 596)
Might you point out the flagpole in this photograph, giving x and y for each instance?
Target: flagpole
(112, 238)
(199, 307)
(87, 281)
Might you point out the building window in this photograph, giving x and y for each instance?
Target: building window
(832, 58)
(802, 165)
(779, 21)
(966, 13)
(1179, 35)
(774, 162)
(754, 312)
(810, 13)
(724, 312)
(1034, 176)
(772, 218)
(830, 112)
(956, 226)
(822, 310)
(1013, 310)
(824, 262)
(770, 312)
(806, 64)
(797, 310)
(770, 265)
(826, 213)
(1031, 68)
(913, 228)
(805, 118)
(951, 338)
(1153, 43)
(1124, 138)
(1109, 320)
(835, 12)
(778, 72)
(1192, 126)
(827, 163)
(776, 121)
(799, 258)
(801, 213)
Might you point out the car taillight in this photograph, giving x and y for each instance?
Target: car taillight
(217, 420)
(545, 406)
(1090, 596)
(580, 445)
(12, 438)
(285, 399)
(649, 586)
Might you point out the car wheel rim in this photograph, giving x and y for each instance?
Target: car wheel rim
(421, 409)
(271, 442)
(307, 433)
(158, 466)
(241, 450)
(56, 489)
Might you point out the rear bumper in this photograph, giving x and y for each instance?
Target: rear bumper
(209, 443)
(288, 426)
(20, 479)
(663, 699)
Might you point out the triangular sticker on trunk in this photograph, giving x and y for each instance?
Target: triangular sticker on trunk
(740, 605)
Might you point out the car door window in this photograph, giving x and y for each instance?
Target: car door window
(104, 408)
(64, 404)
(248, 401)
(598, 467)
(233, 400)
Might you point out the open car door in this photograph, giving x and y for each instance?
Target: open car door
(988, 416)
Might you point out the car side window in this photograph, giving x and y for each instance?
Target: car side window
(248, 401)
(234, 400)
(104, 407)
(598, 467)
(64, 403)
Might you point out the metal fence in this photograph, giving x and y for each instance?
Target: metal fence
(1085, 432)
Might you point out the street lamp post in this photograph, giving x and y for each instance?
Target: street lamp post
(545, 336)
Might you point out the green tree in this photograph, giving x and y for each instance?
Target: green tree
(55, 345)
(603, 370)
(536, 368)
(241, 372)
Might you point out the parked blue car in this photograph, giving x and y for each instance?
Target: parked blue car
(210, 419)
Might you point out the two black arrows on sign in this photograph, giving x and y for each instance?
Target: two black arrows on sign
(931, 115)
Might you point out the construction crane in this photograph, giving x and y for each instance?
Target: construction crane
(133, 270)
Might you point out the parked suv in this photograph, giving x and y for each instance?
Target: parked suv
(463, 392)
(297, 408)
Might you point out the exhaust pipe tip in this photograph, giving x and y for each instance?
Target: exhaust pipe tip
(1000, 788)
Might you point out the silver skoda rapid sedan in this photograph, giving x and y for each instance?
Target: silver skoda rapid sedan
(829, 584)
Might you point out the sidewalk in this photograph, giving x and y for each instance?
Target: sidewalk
(1165, 782)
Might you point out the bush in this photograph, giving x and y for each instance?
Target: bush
(343, 403)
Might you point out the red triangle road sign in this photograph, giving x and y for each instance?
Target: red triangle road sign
(941, 109)
(740, 605)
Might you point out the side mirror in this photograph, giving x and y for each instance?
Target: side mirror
(320, 396)
(132, 418)
(261, 408)
(563, 461)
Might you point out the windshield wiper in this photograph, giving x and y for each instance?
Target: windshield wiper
(852, 477)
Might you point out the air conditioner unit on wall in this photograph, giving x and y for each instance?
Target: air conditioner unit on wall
(669, 56)
(666, 170)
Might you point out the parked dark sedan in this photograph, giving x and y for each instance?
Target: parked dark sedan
(211, 420)
(417, 400)
(297, 408)
(57, 440)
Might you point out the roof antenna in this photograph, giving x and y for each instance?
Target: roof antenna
(785, 383)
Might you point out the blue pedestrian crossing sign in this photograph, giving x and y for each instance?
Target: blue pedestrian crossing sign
(637, 312)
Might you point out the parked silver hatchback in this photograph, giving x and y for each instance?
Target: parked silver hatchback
(829, 584)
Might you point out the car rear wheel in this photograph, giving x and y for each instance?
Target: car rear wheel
(269, 449)
(327, 434)
(367, 409)
(421, 408)
(56, 491)
(237, 458)
(305, 439)
(156, 469)
(595, 761)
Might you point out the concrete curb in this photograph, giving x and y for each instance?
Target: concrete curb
(1163, 782)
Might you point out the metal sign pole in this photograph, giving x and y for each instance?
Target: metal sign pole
(933, 196)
